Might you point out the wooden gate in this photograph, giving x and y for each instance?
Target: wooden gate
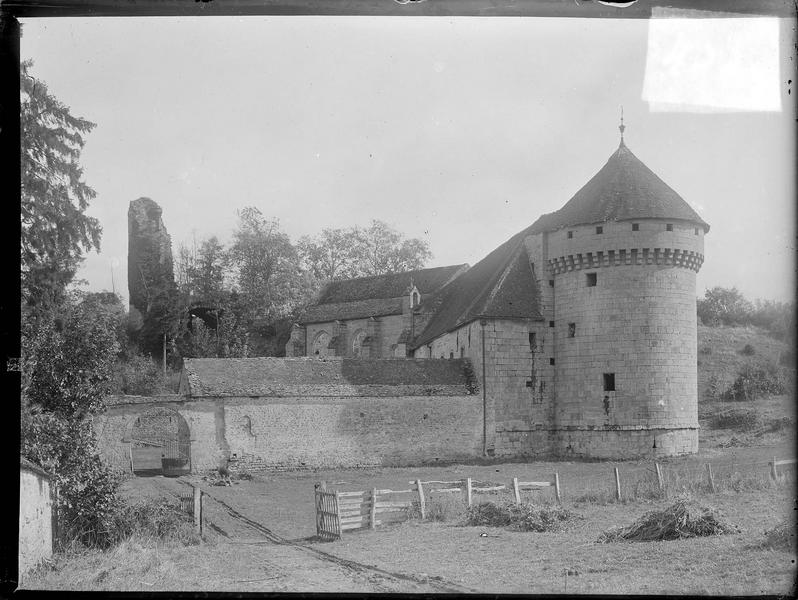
(160, 457)
(328, 516)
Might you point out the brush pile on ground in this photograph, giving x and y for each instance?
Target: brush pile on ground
(683, 519)
(523, 517)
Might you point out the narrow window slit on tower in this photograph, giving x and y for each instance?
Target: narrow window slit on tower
(551, 361)
(532, 340)
(609, 382)
(571, 329)
(599, 230)
(635, 226)
(570, 235)
(696, 230)
(551, 283)
(592, 279)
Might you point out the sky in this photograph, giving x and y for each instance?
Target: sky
(459, 131)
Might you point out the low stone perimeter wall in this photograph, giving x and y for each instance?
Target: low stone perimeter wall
(302, 433)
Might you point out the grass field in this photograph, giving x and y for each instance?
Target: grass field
(259, 534)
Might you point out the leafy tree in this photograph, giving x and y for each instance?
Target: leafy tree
(724, 305)
(357, 252)
(266, 266)
(333, 254)
(201, 271)
(55, 227)
(382, 250)
(67, 360)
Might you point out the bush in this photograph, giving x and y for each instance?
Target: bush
(748, 350)
(86, 500)
(154, 518)
(137, 376)
(683, 519)
(523, 517)
(740, 419)
(754, 381)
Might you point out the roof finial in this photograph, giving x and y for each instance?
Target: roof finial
(621, 127)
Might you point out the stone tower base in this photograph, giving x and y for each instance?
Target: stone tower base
(622, 444)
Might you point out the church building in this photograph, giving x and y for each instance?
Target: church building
(581, 329)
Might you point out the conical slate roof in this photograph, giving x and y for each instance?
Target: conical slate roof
(623, 189)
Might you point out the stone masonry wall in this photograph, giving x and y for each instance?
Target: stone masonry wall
(288, 433)
(276, 433)
(387, 331)
(518, 380)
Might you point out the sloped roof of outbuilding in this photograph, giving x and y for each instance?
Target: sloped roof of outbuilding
(623, 189)
(501, 285)
(308, 377)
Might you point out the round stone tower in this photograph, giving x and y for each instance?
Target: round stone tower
(622, 257)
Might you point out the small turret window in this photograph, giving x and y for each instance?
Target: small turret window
(599, 230)
(696, 230)
(635, 226)
(609, 382)
(669, 227)
(570, 234)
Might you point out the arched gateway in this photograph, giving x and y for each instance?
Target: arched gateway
(159, 443)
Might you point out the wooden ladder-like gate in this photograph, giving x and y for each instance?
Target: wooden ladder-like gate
(328, 514)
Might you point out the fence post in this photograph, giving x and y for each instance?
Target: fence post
(516, 491)
(421, 502)
(468, 491)
(617, 485)
(373, 515)
(557, 487)
(773, 472)
(317, 501)
(711, 479)
(338, 515)
(198, 510)
(131, 458)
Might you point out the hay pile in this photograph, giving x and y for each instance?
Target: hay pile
(683, 519)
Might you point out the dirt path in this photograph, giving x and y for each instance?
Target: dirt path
(300, 564)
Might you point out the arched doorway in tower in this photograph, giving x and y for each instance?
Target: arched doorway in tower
(160, 443)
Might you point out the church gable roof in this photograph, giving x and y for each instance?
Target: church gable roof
(624, 188)
(375, 296)
(501, 285)
(392, 285)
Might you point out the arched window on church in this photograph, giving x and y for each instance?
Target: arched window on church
(357, 342)
(320, 343)
(246, 424)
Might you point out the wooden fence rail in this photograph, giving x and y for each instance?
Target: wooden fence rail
(337, 512)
